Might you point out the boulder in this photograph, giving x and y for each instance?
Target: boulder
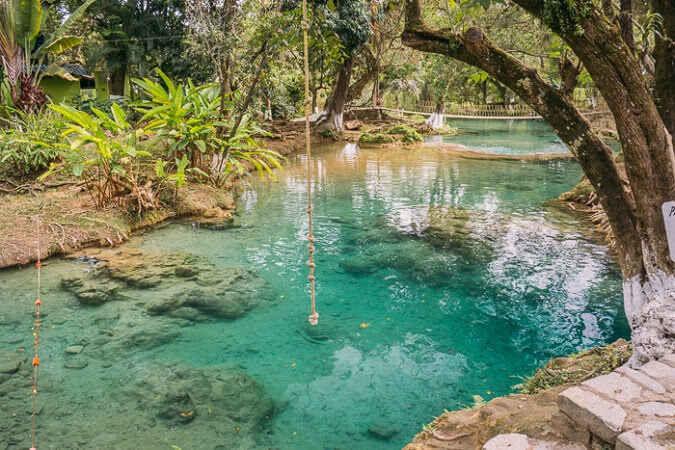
(227, 293)
(91, 291)
(178, 395)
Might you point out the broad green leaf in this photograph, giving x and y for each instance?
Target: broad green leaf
(28, 19)
(63, 29)
(62, 44)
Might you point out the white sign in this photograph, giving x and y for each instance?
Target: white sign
(668, 210)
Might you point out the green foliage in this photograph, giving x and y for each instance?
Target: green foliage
(405, 134)
(126, 35)
(579, 367)
(22, 54)
(187, 118)
(103, 150)
(28, 145)
(350, 20)
(566, 16)
(376, 138)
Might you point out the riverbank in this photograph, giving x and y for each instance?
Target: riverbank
(587, 401)
(534, 411)
(70, 221)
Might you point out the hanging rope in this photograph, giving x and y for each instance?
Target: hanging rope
(313, 315)
(36, 342)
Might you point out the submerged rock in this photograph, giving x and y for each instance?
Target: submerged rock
(91, 292)
(184, 286)
(10, 362)
(147, 335)
(228, 397)
(383, 431)
(468, 235)
(76, 363)
(74, 349)
(227, 293)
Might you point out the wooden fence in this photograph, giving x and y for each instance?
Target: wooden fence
(472, 111)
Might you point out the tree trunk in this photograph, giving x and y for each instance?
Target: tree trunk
(224, 84)
(369, 75)
(569, 74)
(117, 81)
(664, 69)
(635, 213)
(332, 117)
(626, 22)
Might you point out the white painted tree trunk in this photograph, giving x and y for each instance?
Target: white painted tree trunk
(330, 120)
(435, 121)
(650, 308)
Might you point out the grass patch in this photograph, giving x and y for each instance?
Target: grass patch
(579, 367)
(376, 138)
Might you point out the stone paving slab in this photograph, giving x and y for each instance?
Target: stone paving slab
(631, 409)
(645, 437)
(602, 417)
(516, 441)
(663, 373)
(642, 379)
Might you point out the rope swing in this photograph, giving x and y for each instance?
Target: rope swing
(314, 315)
(36, 342)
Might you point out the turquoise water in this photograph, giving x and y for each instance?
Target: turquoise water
(514, 136)
(438, 279)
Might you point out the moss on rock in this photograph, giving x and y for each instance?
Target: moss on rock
(376, 138)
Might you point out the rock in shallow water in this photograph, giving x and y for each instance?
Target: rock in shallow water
(228, 293)
(383, 431)
(74, 349)
(90, 291)
(184, 286)
(178, 395)
(10, 362)
(76, 363)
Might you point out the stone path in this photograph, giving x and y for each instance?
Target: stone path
(624, 410)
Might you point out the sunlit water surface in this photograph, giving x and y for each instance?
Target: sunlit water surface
(410, 325)
(504, 136)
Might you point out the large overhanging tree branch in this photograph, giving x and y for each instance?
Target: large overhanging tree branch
(646, 143)
(634, 213)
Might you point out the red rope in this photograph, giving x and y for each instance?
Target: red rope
(36, 342)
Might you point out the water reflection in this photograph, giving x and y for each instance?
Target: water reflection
(438, 279)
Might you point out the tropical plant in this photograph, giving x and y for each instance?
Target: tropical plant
(103, 149)
(185, 115)
(29, 143)
(187, 119)
(24, 49)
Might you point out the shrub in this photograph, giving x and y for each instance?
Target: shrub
(406, 134)
(103, 150)
(376, 138)
(187, 118)
(29, 144)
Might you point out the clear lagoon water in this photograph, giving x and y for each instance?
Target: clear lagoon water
(508, 136)
(439, 279)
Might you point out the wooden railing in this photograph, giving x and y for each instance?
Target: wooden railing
(473, 111)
